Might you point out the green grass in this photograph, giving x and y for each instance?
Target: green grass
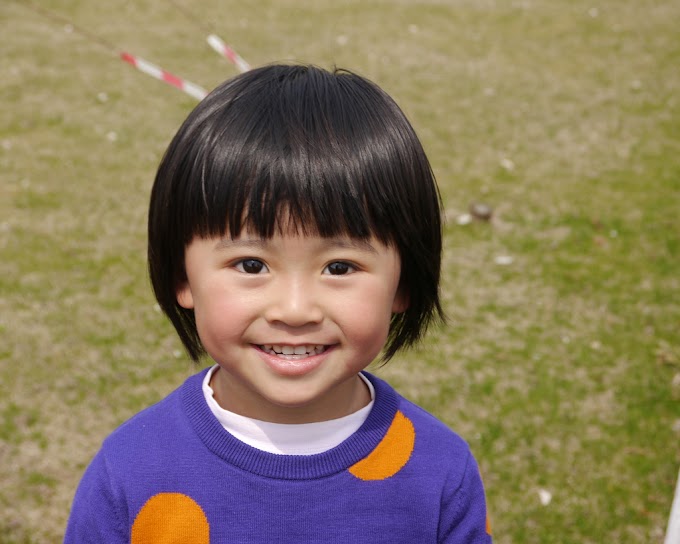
(562, 369)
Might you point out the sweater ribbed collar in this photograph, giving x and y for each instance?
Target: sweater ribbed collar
(290, 467)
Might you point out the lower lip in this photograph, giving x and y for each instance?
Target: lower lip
(293, 367)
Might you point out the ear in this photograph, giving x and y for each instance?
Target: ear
(185, 297)
(400, 302)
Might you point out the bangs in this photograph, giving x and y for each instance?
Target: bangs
(312, 156)
(309, 193)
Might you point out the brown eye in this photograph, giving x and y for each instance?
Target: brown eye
(339, 268)
(251, 266)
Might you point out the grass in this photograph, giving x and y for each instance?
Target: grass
(562, 368)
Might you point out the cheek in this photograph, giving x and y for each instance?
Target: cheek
(367, 318)
(221, 318)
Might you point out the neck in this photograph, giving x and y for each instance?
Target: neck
(347, 398)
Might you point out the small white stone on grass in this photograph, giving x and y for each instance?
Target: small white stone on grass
(544, 496)
(507, 164)
(464, 219)
(504, 260)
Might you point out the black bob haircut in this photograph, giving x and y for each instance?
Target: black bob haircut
(329, 153)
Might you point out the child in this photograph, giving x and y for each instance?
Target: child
(294, 234)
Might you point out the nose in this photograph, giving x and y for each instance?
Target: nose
(293, 303)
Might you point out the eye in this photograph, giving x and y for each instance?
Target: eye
(339, 268)
(251, 266)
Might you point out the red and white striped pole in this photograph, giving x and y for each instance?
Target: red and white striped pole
(223, 49)
(154, 71)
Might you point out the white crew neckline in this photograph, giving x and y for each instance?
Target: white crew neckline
(288, 439)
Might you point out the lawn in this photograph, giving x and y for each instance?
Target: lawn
(560, 362)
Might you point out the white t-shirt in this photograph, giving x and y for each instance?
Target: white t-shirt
(288, 439)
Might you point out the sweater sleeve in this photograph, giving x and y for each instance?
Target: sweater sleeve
(463, 515)
(95, 516)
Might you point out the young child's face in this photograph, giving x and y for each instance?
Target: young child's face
(291, 320)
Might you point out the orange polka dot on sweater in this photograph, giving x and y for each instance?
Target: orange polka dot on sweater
(169, 518)
(391, 454)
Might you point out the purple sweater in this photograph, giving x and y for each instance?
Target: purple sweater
(173, 474)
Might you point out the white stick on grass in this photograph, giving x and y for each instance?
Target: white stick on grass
(673, 530)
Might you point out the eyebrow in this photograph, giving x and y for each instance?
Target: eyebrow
(262, 243)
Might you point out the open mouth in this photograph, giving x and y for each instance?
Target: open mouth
(293, 352)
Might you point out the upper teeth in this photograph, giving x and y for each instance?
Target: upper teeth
(293, 350)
